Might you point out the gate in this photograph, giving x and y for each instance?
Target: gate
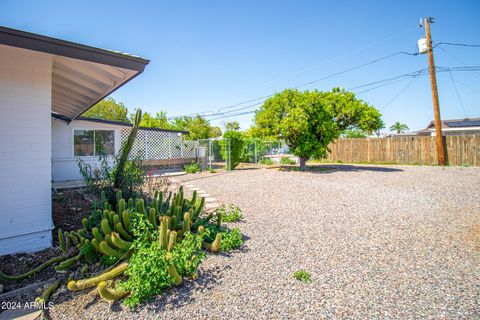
(214, 154)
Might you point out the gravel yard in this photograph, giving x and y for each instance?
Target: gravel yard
(379, 241)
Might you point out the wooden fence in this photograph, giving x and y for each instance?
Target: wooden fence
(461, 150)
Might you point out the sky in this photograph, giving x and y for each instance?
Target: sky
(208, 55)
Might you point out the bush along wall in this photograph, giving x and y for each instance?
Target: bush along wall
(142, 247)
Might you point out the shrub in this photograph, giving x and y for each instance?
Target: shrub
(266, 161)
(231, 239)
(191, 168)
(302, 275)
(236, 147)
(286, 160)
(230, 213)
(188, 254)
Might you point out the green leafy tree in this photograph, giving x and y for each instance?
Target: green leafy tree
(233, 125)
(354, 133)
(198, 126)
(399, 127)
(159, 120)
(108, 109)
(308, 121)
(236, 147)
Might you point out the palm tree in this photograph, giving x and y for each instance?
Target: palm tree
(399, 127)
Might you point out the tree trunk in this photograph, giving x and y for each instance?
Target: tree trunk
(303, 163)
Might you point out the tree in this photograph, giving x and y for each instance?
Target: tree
(236, 147)
(399, 127)
(158, 121)
(108, 109)
(354, 133)
(308, 121)
(198, 127)
(233, 125)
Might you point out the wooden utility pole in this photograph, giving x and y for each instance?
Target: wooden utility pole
(436, 106)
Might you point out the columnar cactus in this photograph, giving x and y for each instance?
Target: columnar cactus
(94, 281)
(110, 294)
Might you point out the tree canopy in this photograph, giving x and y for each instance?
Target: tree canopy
(308, 121)
(108, 109)
(198, 126)
(399, 127)
(233, 125)
(159, 120)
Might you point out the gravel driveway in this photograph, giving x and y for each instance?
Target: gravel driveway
(383, 242)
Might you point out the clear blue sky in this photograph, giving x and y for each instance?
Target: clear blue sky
(210, 54)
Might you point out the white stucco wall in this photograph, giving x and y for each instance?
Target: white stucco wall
(64, 163)
(25, 152)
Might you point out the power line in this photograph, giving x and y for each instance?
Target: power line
(458, 44)
(458, 95)
(399, 93)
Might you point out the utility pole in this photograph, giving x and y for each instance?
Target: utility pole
(436, 106)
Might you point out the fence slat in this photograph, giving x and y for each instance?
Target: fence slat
(461, 150)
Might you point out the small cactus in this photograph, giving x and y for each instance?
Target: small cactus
(105, 227)
(41, 267)
(119, 242)
(141, 206)
(216, 244)
(171, 241)
(61, 241)
(41, 300)
(109, 251)
(94, 281)
(110, 294)
(119, 228)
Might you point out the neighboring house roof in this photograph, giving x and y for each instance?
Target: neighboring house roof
(116, 123)
(457, 123)
(81, 75)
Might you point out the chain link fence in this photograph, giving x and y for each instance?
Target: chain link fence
(257, 150)
(214, 154)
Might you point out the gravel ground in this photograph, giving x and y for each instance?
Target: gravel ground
(390, 242)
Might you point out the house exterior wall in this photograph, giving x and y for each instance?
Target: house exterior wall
(64, 163)
(25, 153)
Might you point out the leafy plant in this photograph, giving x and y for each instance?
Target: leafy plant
(191, 168)
(286, 160)
(147, 272)
(231, 239)
(211, 170)
(230, 213)
(187, 255)
(309, 121)
(236, 147)
(266, 161)
(88, 251)
(302, 275)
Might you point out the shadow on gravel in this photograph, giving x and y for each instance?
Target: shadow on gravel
(326, 169)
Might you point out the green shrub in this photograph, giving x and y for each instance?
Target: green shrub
(236, 147)
(286, 160)
(147, 272)
(302, 275)
(187, 255)
(230, 213)
(231, 239)
(266, 161)
(191, 168)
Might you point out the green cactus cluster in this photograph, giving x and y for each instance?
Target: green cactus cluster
(110, 231)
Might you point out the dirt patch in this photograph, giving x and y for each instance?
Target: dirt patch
(68, 209)
(473, 236)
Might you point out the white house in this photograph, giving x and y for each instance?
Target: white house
(454, 127)
(87, 139)
(39, 76)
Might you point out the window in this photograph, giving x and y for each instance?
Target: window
(93, 142)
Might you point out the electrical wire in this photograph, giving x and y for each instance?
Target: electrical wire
(458, 95)
(398, 94)
(458, 44)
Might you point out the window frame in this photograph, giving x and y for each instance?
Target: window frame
(94, 156)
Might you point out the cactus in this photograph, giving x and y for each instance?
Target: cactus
(187, 223)
(130, 204)
(121, 206)
(109, 251)
(61, 241)
(194, 198)
(92, 282)
(215, 246)
(110, 294)
(85, 223)
(69, 263)
(41, 300)
(96, 234)
(198, 210)
(219, 220)
(84, 268)
(152, 217)
(41, 267)
(119, 242)
(201, 229)
(118, 197)
(172, 271)
(162, 237)
(126, 220)
(141, 206)
(96, 245)
(119, 228)
(116, 219)
(105, 226)
(171, 241)
(74, 238)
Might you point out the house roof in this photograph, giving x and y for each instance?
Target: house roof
(81, 75)
(116, 123)
(456, 123)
